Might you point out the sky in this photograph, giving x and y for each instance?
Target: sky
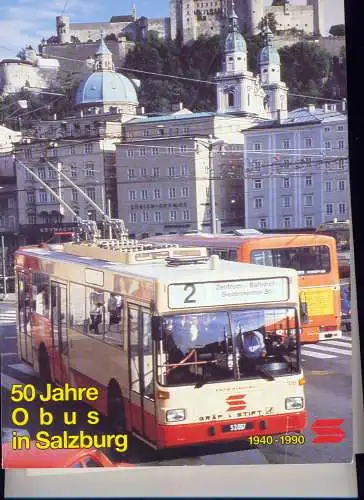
(24, 22)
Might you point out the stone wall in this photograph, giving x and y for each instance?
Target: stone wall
(299, 17)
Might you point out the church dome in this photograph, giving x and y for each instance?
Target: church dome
(269, 55)
(235, 42)
(106, 87)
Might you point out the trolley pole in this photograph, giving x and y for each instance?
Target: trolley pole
(212, 189)
(3, 266)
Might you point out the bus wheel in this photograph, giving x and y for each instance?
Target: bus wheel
(116, 416)
(44, 367)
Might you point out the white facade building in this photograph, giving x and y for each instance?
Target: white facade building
(166, 174)
(297, 170)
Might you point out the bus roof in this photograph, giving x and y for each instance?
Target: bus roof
(161, 271)
(225, 240)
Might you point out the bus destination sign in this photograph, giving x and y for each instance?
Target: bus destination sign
(222, 293)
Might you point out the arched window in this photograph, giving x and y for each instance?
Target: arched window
(231, 100)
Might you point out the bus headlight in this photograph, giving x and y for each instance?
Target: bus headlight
(294, 403)
(175, 415)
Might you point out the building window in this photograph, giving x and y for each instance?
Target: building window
(154, 151)
(231, 99)
(186, 215)
(144, 194)
(262, 223)
(88, 147)
(32, 219)
(73, 171)
(308, 143)
(171, 172)
(52, 174)
(309, 221)
(90, 169)
(258, 184)
(307, 160)
(157, 194)
(145, 132)
(70, 150)
(327, 145)
(286, 222)
(340, 128)
(257, 146)
(308, 180)
(341, 186)
(132, 195)
(172, 215)
(11, 203)
(42, 173)
(157, 217)
(308, 200)
(131, 173)
(74, 195)
(285, 144)
(258, 202)
(329, 209)
(185, 192)
(171, 193)
(286, 182)
(28, 176)
(145, 216)
(183, 148)
(327, 129)
(286, 201)
(156, 172)
(91, 193)
(328, 186)
(170, 150)
(30, 197)
(28, 154)
(342, 208)
(341, 144)
(132, 217)
(142, 152)
(341, 164)
(129, 153)
(42, 196)
(184, 171)
(143, 172)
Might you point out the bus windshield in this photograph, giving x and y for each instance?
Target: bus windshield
(305, 260)
(228, 345)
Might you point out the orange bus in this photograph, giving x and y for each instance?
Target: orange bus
(313, 256)
(340, 230)
(161, 335)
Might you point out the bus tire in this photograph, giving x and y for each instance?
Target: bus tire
(44, 366)
(116, 416)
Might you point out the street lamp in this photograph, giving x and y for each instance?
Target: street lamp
(210, 145)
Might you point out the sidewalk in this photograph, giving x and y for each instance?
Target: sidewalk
(10, 298)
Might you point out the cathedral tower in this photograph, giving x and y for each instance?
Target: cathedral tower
(318, 16)
(63, 29)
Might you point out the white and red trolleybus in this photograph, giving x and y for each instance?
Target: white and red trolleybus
(160, 333)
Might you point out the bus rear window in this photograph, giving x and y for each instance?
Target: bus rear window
(305, 260)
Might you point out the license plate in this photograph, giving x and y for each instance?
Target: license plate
(234, 427)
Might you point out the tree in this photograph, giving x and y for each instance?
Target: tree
(305, 69)
(337, 30)
(279, 3)
(110, 37)
(269, 19)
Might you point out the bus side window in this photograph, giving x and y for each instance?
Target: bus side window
(41, 293)
(114, 314)
(95, 311)
(232, 255)
(77, 307)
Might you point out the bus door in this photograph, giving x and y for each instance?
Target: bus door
(141, 375)
(25, 346)
(59, 331)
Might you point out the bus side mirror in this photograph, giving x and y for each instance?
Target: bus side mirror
(157, 328)
(304, 313)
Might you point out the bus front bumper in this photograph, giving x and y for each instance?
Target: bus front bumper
(216, 431)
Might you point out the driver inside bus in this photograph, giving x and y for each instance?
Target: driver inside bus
(252, 349)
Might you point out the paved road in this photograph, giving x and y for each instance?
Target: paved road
(327, 369)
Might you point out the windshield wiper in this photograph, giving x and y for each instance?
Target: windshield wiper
(265, 372)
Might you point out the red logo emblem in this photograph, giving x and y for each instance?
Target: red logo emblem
(328, 431)
(236, 402)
